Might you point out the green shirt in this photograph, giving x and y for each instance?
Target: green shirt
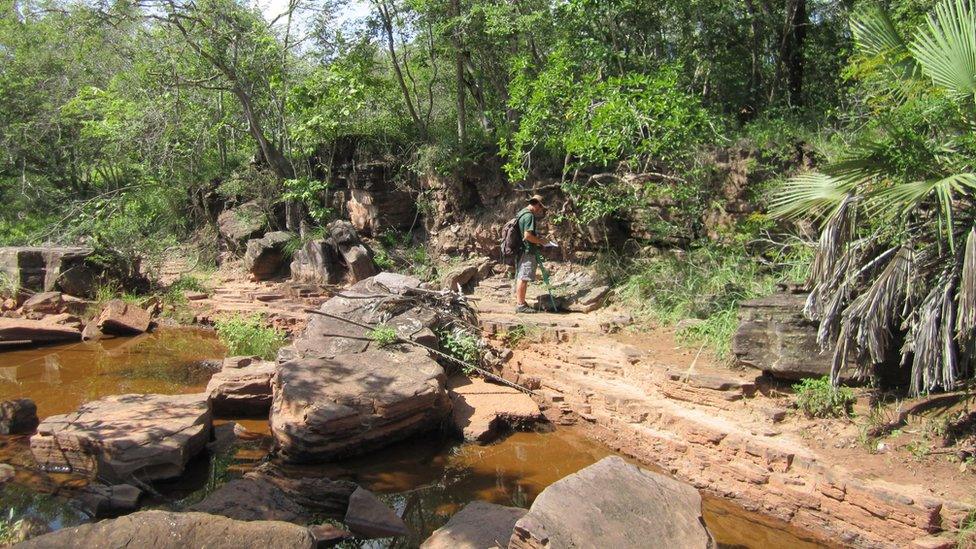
(527, 223)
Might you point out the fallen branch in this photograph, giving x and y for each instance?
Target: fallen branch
(478, 369)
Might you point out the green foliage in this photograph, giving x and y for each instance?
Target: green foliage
(312, 194)
(515, 335)
(463, 346)
(819, 398)
(383, 336)
(249, 336)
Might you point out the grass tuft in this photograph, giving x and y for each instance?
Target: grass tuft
(249, 336)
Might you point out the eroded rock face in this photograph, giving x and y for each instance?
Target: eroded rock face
(479, 525)
(18, 417)
(375, 203)
(774, 336)
(481, 409)
(148, 437)
(40, 269)
(265, 256)
(121, 318)
(325, 408)
(618, 504)
(165, 530)
(241, 391)
(236, 226)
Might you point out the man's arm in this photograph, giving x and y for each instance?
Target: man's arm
(531, 238)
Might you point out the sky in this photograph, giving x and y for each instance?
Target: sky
(271, 8)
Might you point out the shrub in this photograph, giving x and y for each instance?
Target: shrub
(249, 336)
(515, 335)
(819, 398)
(383, 335)
(463, 346)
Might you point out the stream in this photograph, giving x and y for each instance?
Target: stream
(425, 479)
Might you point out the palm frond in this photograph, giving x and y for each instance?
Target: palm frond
(876, 36)
(901, 198)
(966, 299)
(809, 194)
(946, 49)
(935, 360)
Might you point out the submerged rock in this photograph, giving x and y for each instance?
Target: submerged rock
(265, 256)
(618, 504)
(101, 501)
(482, 409)
(165, 530)
(241, 391)
(121, 318)
(353, 403)
(478, 526)
(149, 437)
(18, 417)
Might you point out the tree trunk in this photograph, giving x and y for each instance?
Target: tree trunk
(794, 60)
(459, 75)
(387, 19)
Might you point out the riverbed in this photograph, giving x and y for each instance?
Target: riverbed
(426, 479)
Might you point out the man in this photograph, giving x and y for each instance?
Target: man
(529, 259)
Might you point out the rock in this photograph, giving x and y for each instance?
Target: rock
(101, 501)
(460, 277)
(481, 408)
(375, 202)
(774, 336)
(478, 526)
(236, 226)
(54, 303)
(39, 269)
(241, 391)
(47, 330)
(239, 362)
(327, 535)
(18, 417)
(166, 530)
(121, 318)
(150, 437)
(91, 332)
(265, 256)
(618, 504)
(579, 292)
(357, 257)
(368, 517)
(353, 403)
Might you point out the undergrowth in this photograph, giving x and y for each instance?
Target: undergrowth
(249, 336)
(383, 335)
(463, 346)
(819, 398)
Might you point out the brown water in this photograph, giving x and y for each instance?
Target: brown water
(426, 479)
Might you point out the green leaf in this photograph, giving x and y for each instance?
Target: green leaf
(946, 49)
(811, 193)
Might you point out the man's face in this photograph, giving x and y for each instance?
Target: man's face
(537, 209)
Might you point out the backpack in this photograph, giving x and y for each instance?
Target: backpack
(511, 244)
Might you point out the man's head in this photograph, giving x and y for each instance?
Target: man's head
(536, 205)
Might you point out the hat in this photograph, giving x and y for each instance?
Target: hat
(537, 199)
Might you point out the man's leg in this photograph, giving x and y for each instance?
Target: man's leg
(520, 288)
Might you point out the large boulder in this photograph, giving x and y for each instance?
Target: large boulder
(41, 269)
(238, 225)
(478, 526)
(241, 390)
(122, 437)
(49, 329)
(481, 409)
(614, 504)
(18, 416)
(166, 530)
(265, 256)
(340, 258)
(326, 408)
(121, 318)
(775, 336)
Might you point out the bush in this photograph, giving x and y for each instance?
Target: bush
(462, 346)
(383, 335)
(249, 336)
(819, 398)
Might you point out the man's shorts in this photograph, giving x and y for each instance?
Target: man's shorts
(526, 267)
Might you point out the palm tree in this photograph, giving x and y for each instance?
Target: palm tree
(895, 269)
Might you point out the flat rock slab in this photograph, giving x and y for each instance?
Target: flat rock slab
(479, 525)
(149, 437)
(370, 518)
(351, 404)
(121, 318)
(241, 391)
(614, 504)
(482, 408)
(165, 530)
(46, 330)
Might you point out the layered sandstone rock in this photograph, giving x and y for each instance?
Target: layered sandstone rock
(241, 391)
(774, 336)
(481, 409)
(165, 530)
(50, 303)
(478, 526)
(46, 330)
(375, 203)
(342, 257)
(43, 269)
(368, 517)
(618, 504)
(265, 256)
(325, 408)
(121, 318)
(148, 437)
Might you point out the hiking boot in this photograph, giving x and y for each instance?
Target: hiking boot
(523, 308)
